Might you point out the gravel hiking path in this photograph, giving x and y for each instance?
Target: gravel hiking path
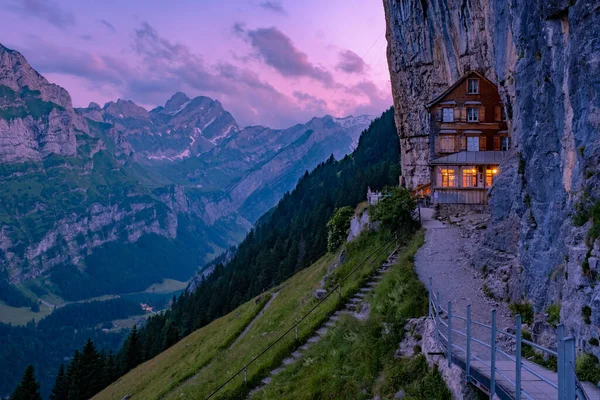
(442, 257)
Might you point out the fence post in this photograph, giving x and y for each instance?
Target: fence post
(296, 328)
(437, 317)
(245, 375)
(430, 297)
(468, 360)
(493, 361)
(570, 368)
(340, 291)
(518, 363)
(560, 349)
(449, 350)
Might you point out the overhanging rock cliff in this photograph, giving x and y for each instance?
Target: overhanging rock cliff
(545, 58)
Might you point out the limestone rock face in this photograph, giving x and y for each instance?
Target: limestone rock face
(545, 58)
(36, 117)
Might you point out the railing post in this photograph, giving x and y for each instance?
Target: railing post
(493, 360)
(518, 356)
(570, 386)
(560, 349)
(468, 360)
(296, 329)
(245, 375)
(449, 350)
(437, 317)
(430, 297)
(340, 291)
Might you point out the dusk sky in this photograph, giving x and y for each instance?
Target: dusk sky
(269, 62)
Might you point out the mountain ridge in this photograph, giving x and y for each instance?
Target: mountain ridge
(86, 182)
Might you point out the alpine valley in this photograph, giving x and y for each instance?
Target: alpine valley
(100, 202)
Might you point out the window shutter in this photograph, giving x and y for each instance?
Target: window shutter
(482, 143)
(438, 145)
(457, 114)
(482, 113)
(498, 113)
(463, 114)
(462, 143)
(497, 143)
(438, 114)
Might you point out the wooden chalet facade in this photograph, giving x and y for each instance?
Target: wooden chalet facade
(468, 140)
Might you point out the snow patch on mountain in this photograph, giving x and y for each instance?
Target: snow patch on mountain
(351, 121)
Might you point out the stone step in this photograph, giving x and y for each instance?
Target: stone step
(356, 300)
(372, 283)
(304, 347)
(335, 317)
(351, 306)
(360, 294)
(330, 324)
(322, 331)
(267, 380)
(289, 360)
(377, 277)
(366, 290)
(277, 371)
(314, 339)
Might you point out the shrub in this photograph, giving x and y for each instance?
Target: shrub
(594, 342)
(581, 215)
(588, 368)
(594, 232)
(586, 313)
(523, 308)
(554, 314)
(338, 227)
(395, 210)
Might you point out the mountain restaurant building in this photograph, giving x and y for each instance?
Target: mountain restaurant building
(468, 140)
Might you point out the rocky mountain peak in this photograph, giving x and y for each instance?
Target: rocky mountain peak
(94, 106)
(125, 108)
(176, 103)
(17, 74)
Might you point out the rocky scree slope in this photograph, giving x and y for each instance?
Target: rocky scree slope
(541, 244)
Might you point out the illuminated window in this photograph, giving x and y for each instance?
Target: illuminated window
(447, 144)
(472, 114)
(469, 177)
(448, 177)
(504, 143)
(448, 115)
(472, 143)
(490, 174)
(473, 86)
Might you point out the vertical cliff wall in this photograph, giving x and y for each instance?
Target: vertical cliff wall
(544, 55)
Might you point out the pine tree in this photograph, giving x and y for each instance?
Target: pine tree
(29, 388)
(60, 391)
(92, 370)
(133, 350)
(111, 373)
(74, 376)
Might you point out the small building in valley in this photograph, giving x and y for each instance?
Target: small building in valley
(468, 140)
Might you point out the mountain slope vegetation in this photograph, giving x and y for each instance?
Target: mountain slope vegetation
(284, 241)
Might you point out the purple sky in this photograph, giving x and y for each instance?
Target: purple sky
(269, 62)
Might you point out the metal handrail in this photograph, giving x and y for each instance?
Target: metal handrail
(568, 387)
(380, 250)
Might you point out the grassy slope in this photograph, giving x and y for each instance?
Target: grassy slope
(21, 315)
(356, 359)
(160, 376)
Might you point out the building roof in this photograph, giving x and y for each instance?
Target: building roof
(439, 97)
(471, 158)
